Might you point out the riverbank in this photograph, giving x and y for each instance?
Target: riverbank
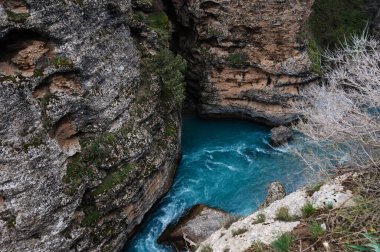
(341, 215)
(226, 164)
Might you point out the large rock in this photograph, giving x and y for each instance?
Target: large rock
(247, 58)
(276, 191)
(225, 239)
(194, 227)
(280, 135)
(84, 148)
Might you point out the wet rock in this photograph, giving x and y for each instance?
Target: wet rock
(195, 226)
(276, 191)
(280, 135)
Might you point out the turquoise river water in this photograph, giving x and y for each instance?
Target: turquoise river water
(226, 164)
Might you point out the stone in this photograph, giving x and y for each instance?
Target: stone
(71, 119)
(249, 62)
(280, 135)
(276, 191)
(195, 226)
(272, 228)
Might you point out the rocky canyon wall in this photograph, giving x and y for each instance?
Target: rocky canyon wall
(251, 55)
(86, 146)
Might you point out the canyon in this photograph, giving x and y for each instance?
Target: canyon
(89, 138)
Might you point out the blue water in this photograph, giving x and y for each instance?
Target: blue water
(226, 164)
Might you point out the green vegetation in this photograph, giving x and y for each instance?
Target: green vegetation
(158, 21)
(36, 141)
(11, 221)
(113, 179)
(283, 214)
(308, 210)
(239, 231)
(237, 59)
(374, 244)
(79, 2)
(93, 154)
(171, 69)
(170, 131)
(330, 205)
(38, 72)
(17, 17)
(206, 248)
(60, 61)
(331, 22)
(310, 190)
(214, 32)
(316, 230)
(283, 243)
(260, 218)
(91, 217)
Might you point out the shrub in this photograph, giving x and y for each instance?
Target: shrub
(341, 116)
(283, 243)
(237, 59)
(310, 190)
(260, 218)
(333, 20)
(17, 17)
(283, 214)
(330, 205)
(171, 69)
(308, 210)
(60, 61)
(206, 248)
(239, 231)
(91, 218)
(316, 230)
(113, 179)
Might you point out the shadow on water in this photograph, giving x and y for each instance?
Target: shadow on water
(226, 164)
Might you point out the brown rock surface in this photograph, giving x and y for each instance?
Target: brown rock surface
(251, 54)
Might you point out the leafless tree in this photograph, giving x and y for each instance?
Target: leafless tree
(341, 116)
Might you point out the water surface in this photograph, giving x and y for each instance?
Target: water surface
(226, 164)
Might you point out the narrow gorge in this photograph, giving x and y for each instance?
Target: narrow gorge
(92, 99)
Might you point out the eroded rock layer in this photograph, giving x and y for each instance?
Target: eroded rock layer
(251, 54)
(83, 154)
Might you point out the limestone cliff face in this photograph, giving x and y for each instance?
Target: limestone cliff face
(86, 148)
(251, 55)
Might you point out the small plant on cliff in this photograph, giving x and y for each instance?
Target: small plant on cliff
(113, 179)
(61, 61)
(17, 17)
(238, 231)
(316, 230)
(283, 214)
(260, 218)
(206, 248)
(237, 59)
(171, 69)
(283, 243)
(308, 210)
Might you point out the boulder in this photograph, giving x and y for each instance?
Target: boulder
(276, 191)
(280, 135)
(195, 226)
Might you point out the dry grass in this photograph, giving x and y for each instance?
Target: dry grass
(345, 226)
